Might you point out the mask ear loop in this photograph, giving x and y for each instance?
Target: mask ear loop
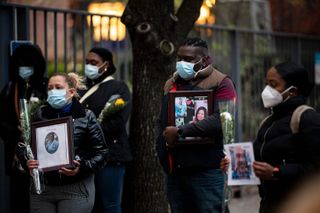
(105, 69)
(197, 65)
(290, 94)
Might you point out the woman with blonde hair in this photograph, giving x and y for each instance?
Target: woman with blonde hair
(70, 189)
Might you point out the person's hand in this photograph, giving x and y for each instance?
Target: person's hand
(70, 172)
(263, 170)
(170, 135)
(224, 164)
(32, 164)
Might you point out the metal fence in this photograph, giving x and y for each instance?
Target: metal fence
(246, 55)
(65, 36)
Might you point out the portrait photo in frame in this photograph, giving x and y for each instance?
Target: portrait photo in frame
(52, 143)
(185, 107)
(240, 171)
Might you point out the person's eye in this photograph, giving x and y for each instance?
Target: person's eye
(273, 85)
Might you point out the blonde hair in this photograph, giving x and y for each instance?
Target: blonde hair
(78, 80)
(73, 80)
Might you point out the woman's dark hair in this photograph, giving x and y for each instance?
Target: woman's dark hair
(201, 108)
(295, 75)
(28, 55)
(106, 55)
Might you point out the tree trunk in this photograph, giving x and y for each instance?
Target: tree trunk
(155, 32)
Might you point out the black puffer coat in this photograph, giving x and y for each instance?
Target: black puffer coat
(295, 155)
(114, 126)
(89, 142)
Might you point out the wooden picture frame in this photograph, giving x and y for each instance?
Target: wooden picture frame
(52, 143)
(186, 107)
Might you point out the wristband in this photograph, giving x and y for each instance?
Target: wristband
(179, 132)
(276, 172)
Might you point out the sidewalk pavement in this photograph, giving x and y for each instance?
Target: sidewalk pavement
(248, 202)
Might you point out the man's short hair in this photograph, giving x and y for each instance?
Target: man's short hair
(195, 42)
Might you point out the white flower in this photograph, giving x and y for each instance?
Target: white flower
(226, 115)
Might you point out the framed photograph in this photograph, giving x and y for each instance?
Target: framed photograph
(190, 107)
(240, 171)
(52, 143)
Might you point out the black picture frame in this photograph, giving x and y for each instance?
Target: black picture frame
(194, 101)
(52, 143)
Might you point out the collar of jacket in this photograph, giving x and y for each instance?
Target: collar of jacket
(76, 111)
(91, 83)
(287, 107)
(205, 78)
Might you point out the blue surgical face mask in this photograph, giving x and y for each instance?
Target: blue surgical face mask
(57, 98)
(92, 71)
(25, 72)
(185, 70)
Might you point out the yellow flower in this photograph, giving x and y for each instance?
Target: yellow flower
(113, 105)
(119, 102)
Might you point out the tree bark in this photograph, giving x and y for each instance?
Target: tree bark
(155, 32)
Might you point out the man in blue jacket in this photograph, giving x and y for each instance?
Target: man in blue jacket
(194, 179)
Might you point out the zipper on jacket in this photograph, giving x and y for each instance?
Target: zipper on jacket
(264, 140)
(261, 149)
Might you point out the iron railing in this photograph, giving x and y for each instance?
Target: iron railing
(246, 55)
(65, 36)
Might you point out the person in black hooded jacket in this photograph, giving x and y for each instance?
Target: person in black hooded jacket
(26, 81)
(283, 158)
(101, 88)
(70, 189)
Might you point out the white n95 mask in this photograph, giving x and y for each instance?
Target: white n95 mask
(271, 97)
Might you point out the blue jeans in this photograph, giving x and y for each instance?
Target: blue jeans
(109, 185)
(197, 192)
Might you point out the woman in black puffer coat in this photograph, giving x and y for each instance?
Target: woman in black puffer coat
(108, 181)
(284, 158)
(70, 189)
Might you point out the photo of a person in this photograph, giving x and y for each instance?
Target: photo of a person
(180, 111)
(190, 109)
(201, 114)
(180, 108)
(241, 168)
(51, 142)
(240, 171)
